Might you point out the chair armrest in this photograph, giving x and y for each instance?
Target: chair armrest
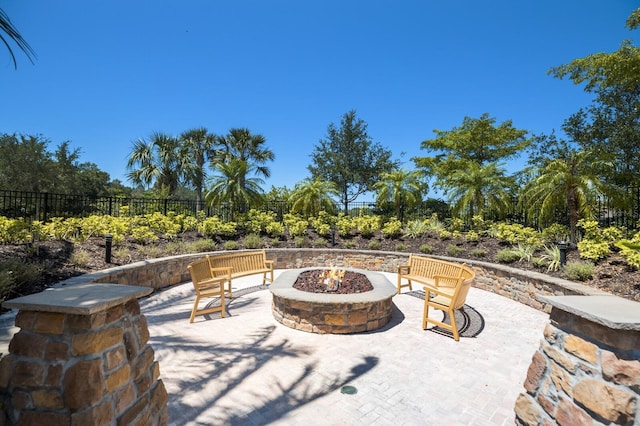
(428, 289)
(451, 281)
(269, 264)
(221, 272)
(404, 267)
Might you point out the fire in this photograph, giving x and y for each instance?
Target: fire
(332, 278)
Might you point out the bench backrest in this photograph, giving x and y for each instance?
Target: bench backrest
(240, 262)
(430, 267)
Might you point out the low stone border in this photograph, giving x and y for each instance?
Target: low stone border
(522, 286)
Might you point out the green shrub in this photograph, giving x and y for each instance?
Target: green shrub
(478, 224)
(454, 250)
(367, 225)
(274, 242)
(455, 224)
(551, 258)
(15, 275)
(213, 226)
(594, 250)
(296, 225)
(516, 233)
(507, 256)
(426, 249)
(392, 228)
(80, 258)
(349, 244)
(151, 251)
(539, 262)
(300, 242)
(320, 243)
(630, 250)
(555, 233)
(401, 247)
(231, 245)
(579, 271)
(472, 236)
(479, 252)
(275, 229)
(344, 225)
(434, 225)
(14, 231)
(143, 234)
(203, 245)
(444, 234)
(415, 229)
(252, 241)
(374, 245)
(525, 252)
(256, 221)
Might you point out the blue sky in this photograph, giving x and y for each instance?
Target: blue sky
(108, 73)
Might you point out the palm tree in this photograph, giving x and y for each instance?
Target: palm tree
(309, 197)
(12, 33)
(241, 144)
(197, 148)
(155, 162)
(401, 188)
(566, 183)
(479, 189)
(231, 186)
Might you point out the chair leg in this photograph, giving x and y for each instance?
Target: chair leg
(454, 326)
(194, 310)
(425, 315)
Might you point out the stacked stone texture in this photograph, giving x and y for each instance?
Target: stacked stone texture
(583, 374)
(338, 318)
(71, 369)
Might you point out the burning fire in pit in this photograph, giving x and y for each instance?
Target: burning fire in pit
(332, 278)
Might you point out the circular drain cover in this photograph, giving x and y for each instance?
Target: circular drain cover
(349, 390)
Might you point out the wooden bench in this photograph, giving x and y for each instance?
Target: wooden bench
(446, 285)
(432, 272)
(242, 264)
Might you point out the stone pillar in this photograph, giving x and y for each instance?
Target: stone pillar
(587, 370)
(81, 357)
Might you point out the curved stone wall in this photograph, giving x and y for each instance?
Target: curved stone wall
(522, 286)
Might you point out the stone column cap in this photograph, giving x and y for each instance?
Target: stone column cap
(82, 299)
(611, 311)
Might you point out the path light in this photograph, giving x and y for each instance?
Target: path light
(562, 246)
(107, 247)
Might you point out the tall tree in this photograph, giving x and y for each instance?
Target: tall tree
(25, 163)
(401, 188)
(609, 128)
(197, 149)
(465, 163)
(565, 179)
(12, 34)
(479, 190)
(349, 158)
(477, 141)
(155, 162)
(231, 185)
(241, 144)
(311, 196)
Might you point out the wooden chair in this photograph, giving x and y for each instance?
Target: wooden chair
(209, 285)
(449, 295)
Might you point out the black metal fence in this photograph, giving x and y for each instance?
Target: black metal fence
(43, 206)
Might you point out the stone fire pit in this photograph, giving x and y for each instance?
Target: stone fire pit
(332, 313)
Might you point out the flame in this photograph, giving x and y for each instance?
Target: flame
(332, 277)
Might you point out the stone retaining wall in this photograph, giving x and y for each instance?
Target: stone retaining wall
(522, 286)
(587, 369)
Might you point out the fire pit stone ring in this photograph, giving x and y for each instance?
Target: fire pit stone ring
(324, 313)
